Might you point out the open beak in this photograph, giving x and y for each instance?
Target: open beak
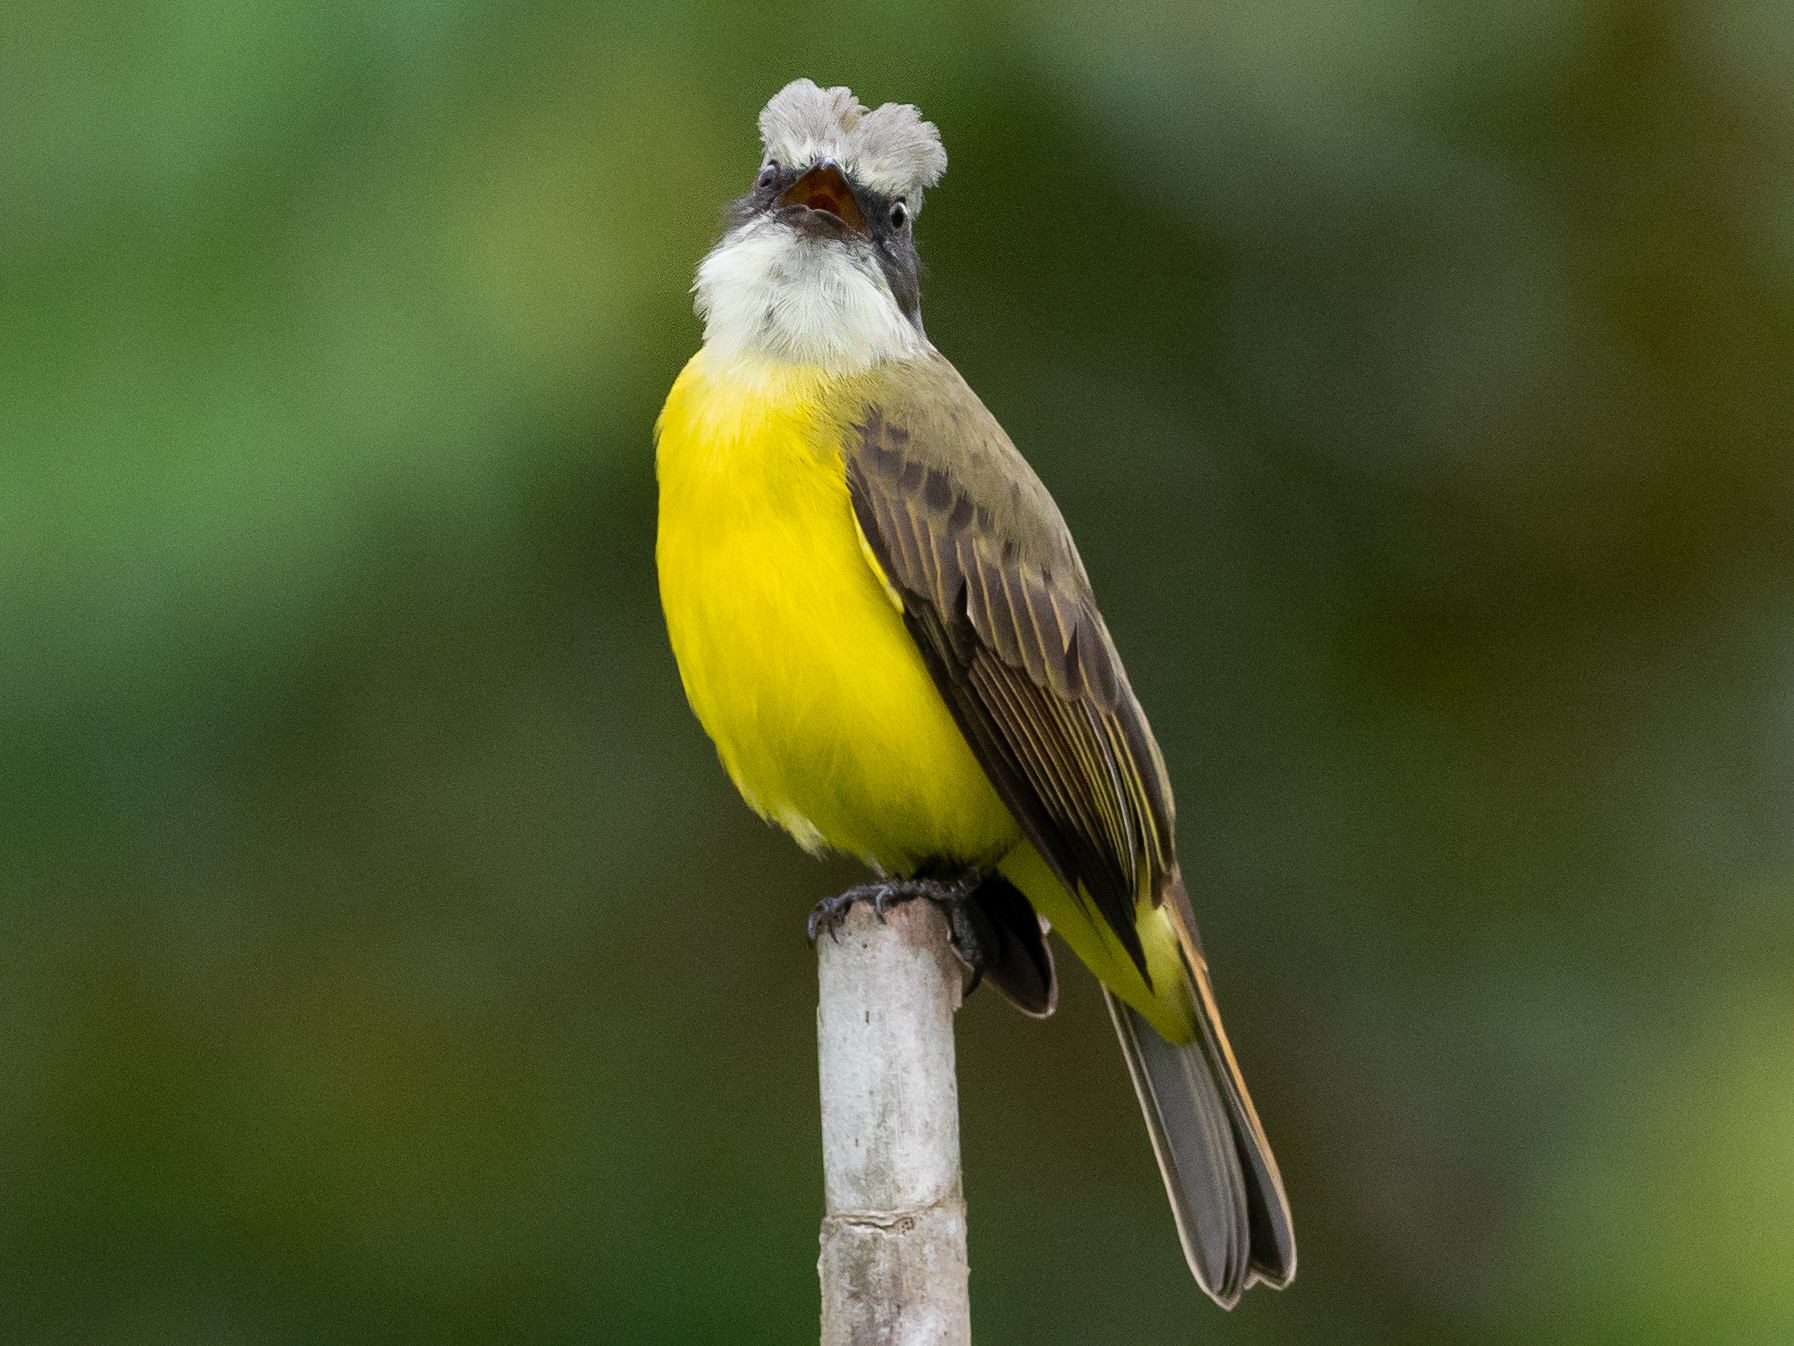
(825, 188)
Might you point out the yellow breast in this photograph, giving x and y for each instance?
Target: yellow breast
(793, 652)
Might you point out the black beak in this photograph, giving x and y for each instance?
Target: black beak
(825, 188)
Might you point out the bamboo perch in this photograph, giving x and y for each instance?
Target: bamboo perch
(893, 1262)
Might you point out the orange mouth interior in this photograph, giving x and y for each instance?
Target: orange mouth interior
(825, 188)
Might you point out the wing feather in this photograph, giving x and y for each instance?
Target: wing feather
(999, 604)
(996, 598)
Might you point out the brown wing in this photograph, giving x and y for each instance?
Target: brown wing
(999, 604)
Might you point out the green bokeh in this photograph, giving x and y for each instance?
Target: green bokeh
(383, 955)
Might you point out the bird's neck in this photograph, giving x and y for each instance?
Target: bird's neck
(767, 291)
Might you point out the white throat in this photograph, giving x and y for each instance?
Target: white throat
(768, 290)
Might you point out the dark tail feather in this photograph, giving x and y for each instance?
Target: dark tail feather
(1226, 1195)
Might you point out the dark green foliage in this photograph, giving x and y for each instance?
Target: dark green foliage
(383, 955)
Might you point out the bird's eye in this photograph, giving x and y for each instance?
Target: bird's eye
(769, 173)
(899, 215)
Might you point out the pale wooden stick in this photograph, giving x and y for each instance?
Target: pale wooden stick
(893, 1262)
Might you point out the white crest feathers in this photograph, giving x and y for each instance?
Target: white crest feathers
(891, 150)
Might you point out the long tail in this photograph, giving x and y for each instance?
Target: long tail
(1226, 1194)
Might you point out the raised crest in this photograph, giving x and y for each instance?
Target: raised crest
(889, 149)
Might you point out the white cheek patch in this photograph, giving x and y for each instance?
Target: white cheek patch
(768, 290)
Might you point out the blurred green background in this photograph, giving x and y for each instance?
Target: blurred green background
(384, 956)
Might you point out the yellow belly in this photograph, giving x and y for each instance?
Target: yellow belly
(793, 653)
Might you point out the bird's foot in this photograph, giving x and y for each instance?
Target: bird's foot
(952, 896)
(947, 894)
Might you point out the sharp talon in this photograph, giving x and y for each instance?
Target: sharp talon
(827, 915)
(949, 895)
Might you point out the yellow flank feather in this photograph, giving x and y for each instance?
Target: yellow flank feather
(1168, 1004)
(795, 658)
(793, 655)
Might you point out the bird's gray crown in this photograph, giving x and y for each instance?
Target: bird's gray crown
(890, 149)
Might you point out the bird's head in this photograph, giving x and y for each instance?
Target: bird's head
(819, 262)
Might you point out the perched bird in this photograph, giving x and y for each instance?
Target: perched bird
(880, 619)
